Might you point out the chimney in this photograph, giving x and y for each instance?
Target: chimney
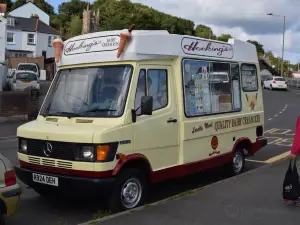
(34, 16)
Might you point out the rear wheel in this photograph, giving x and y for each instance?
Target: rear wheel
(238, 163)
(271, 88)
(130, 191)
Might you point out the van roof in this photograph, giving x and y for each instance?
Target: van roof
(152, 44)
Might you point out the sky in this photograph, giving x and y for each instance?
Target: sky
(243, 19)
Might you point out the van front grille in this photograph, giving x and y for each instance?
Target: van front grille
(51, 149)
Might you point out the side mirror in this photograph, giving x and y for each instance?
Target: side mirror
(146, 105)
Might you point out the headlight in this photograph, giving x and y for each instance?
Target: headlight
(86, 153)
(23, 146)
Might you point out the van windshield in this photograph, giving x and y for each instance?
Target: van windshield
(88, 92)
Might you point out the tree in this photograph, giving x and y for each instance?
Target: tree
(204, 32)
(42, 4)
(224, 37)
(259, 47)
(75, 26)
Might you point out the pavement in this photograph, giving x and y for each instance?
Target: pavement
(251, 198)
(281, 111)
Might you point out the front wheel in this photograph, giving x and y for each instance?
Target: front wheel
(129, 192)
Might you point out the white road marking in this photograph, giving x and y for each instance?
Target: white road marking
(275, 115)
(7, 137)
(8, 140)
(270, 119)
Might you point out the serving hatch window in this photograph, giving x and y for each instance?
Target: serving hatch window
(211, 87)
(89, 92)
(249, 77)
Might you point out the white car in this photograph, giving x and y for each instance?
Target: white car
(275, 83)
(9, 79)
(33, 67)
(23, 80)
(10, 191)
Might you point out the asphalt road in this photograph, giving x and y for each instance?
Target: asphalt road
(281, 111)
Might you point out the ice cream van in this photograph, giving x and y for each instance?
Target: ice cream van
(130, 108)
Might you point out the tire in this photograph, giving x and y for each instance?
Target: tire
(2, 219)
(128, 179)
(238, 164)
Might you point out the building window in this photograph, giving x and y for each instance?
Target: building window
(211, 87)
(10, 21)
(10, 38)
(49, 41)
(249, 77)
(156, 86)
(31, 39)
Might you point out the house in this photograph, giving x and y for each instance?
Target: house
(2, 39)
(29, 37)
(266, 68)
(28, 9)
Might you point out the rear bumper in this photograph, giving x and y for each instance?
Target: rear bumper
(68, 184)
(258, 144)
(279, 86)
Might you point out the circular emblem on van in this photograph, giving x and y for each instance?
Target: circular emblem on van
(48, 149)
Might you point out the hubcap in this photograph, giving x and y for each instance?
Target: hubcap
(237, 162)
(131, 193)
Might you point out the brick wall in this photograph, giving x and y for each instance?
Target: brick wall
(18, 103)
(13, 61)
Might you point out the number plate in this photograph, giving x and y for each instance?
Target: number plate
(43, 179)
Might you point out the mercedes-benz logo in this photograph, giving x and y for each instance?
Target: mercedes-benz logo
(48, 149)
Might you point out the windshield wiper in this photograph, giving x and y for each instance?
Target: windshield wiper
(67, 114)
(99, 110)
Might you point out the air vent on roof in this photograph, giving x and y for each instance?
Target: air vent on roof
(83, 121)
(52, 119)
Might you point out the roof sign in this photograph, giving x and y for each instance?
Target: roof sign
(192, 46)
(95, 44)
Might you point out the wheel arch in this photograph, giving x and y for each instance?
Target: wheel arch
(137, 161)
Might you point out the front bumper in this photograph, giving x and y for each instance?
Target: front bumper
(68, 184)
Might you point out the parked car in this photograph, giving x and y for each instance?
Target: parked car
(275, 83)
(23, 80)
(9, 79)
(10, 191)
(33, 67)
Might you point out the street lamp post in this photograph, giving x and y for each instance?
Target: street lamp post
(283, 34)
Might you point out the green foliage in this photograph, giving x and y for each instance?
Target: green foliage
(224, 37)
(259, 47)
(74, 26)
(204, 32)
(42, 4)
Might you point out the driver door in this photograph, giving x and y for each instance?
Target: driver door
(157, 136)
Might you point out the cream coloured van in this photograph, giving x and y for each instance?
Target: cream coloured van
(112, 125)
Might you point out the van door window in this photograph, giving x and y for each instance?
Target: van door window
(156, 86)
(249, 77)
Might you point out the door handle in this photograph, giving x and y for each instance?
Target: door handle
(172, 121)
